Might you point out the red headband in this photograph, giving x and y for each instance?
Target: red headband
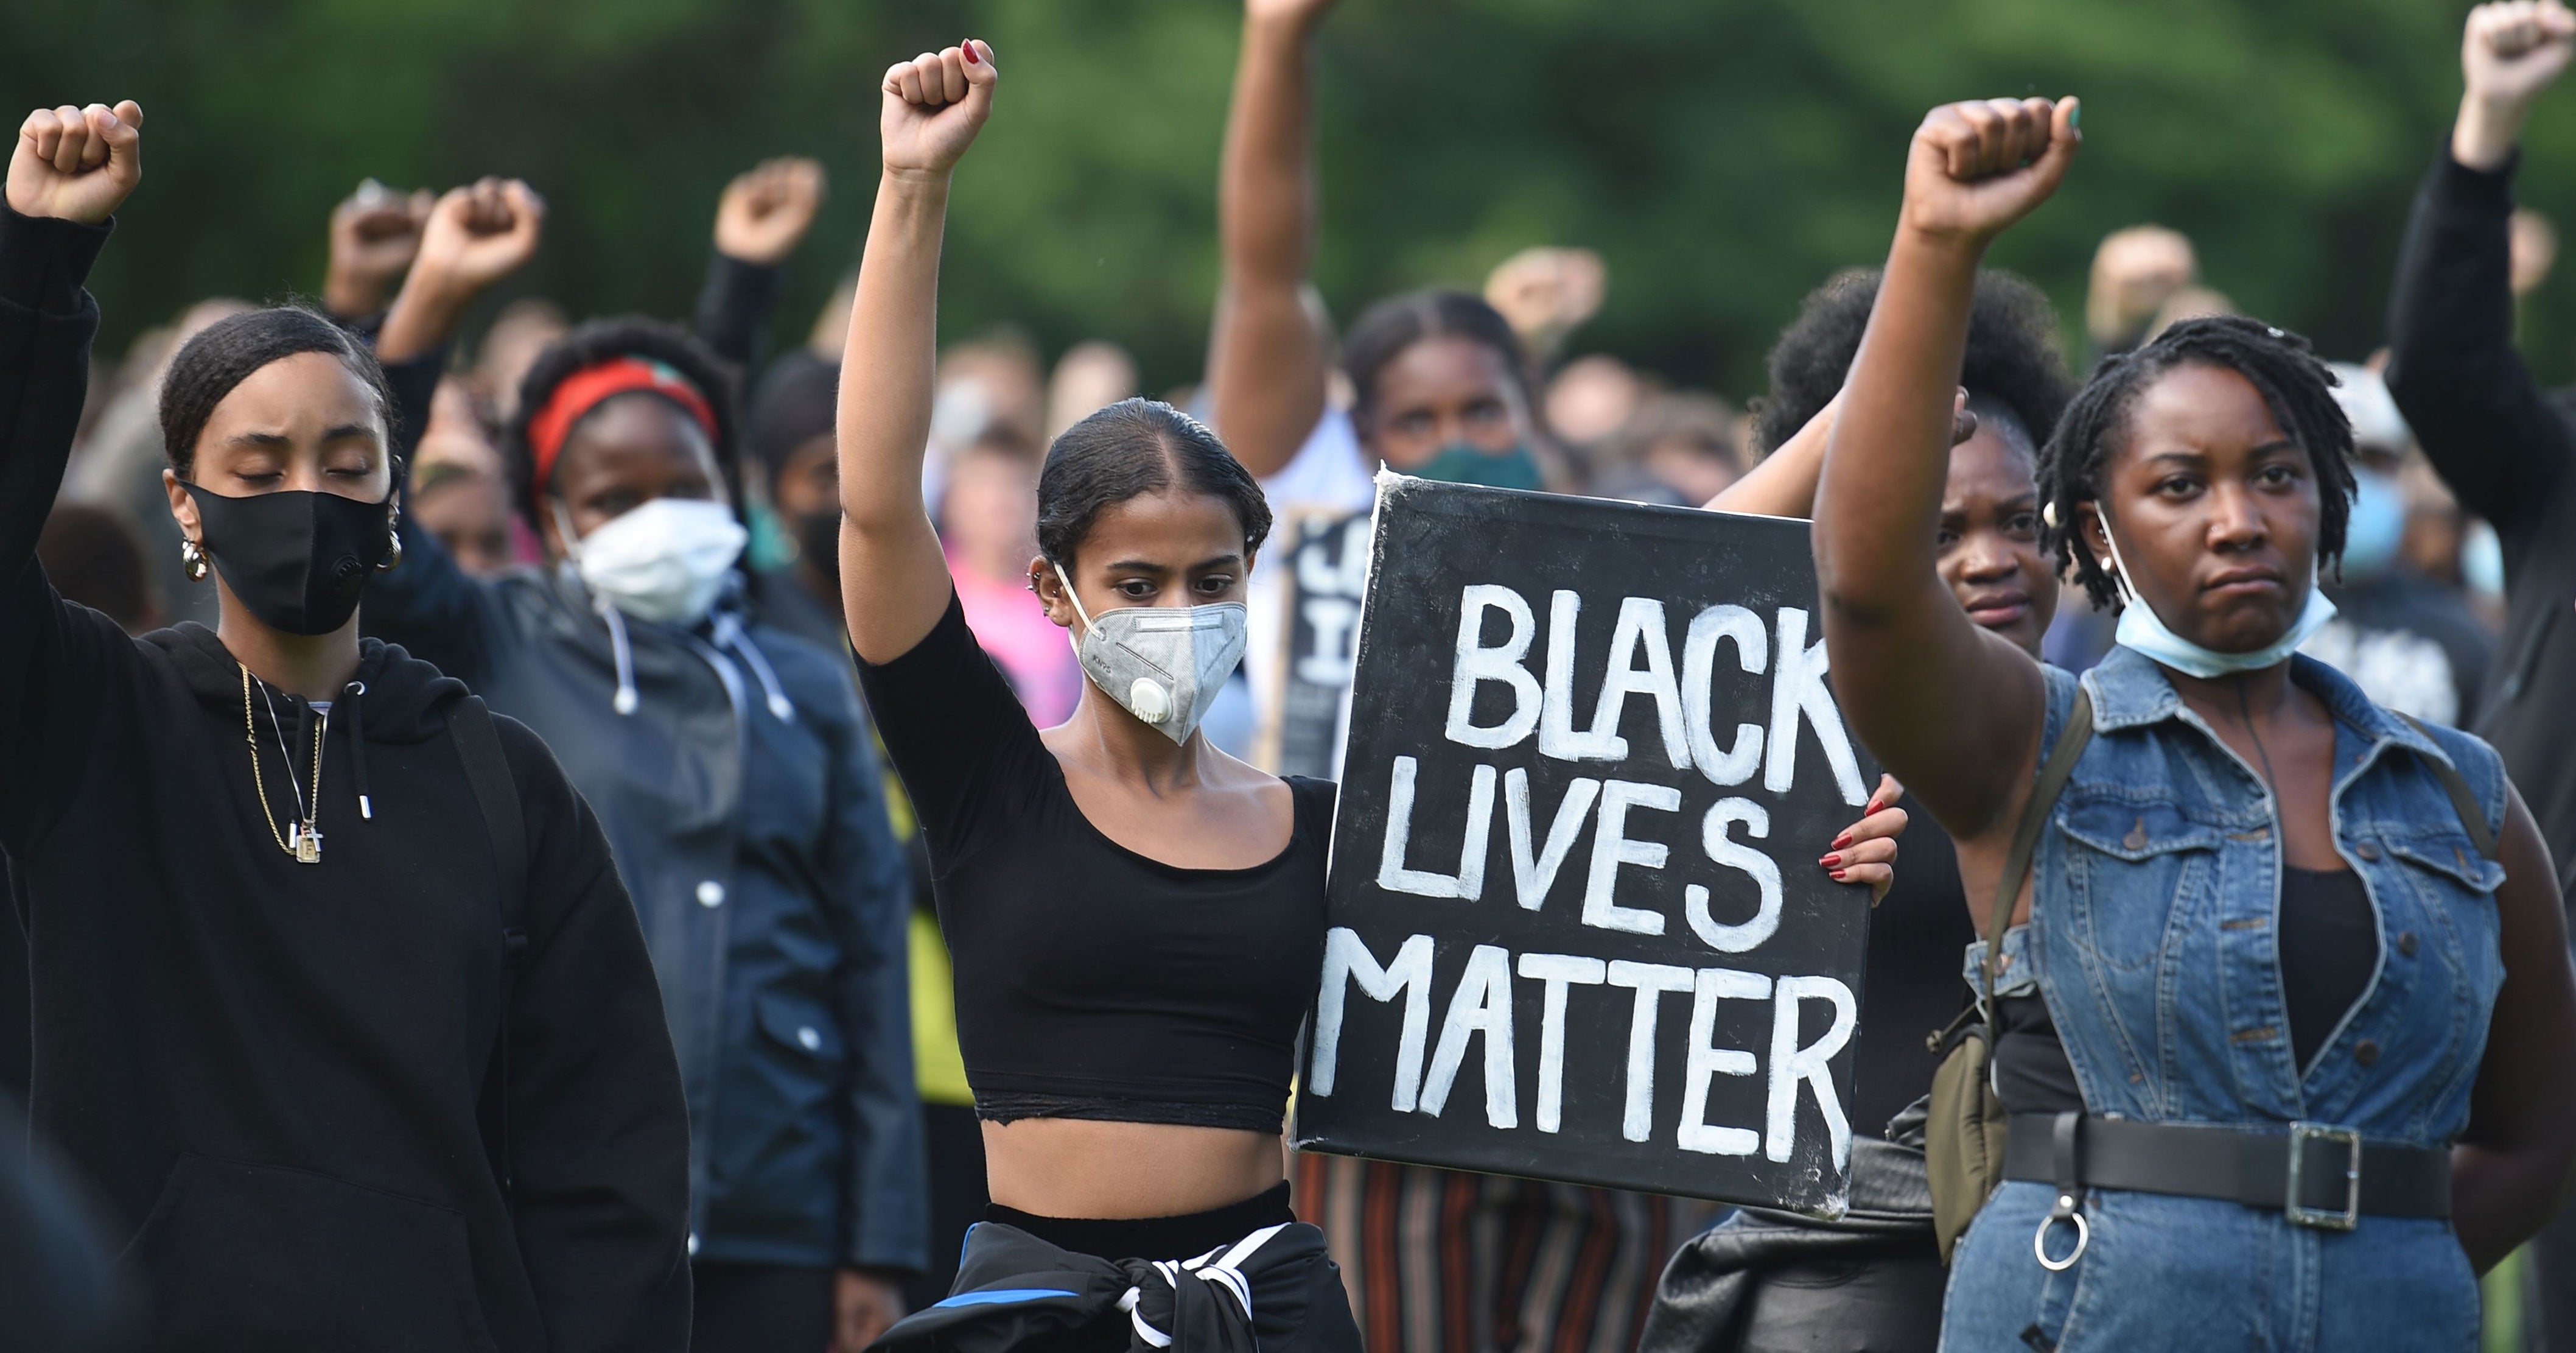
(584, 390)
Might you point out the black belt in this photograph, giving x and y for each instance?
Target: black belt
(2320, 1176)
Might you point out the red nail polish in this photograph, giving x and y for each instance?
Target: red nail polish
(1842, 840)
(1838, 874)
(971, 58)
(1830, 861)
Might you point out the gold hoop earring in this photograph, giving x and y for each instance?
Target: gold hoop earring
(393, 557)
(192, 560)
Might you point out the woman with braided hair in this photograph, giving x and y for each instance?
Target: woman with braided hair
(2285, 992)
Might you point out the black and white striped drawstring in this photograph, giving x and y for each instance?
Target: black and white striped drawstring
(1224, 1271)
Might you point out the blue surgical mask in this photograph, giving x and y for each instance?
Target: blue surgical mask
(1459, 463)
(2142, 630)
(2377, 525)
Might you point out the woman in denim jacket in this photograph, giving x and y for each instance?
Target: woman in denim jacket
(2287, 1000)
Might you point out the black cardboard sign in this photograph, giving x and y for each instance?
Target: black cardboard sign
(1577, 931)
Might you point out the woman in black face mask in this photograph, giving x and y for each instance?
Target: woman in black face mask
(338, 999)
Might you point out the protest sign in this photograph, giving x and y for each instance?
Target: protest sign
(1325, 557)
(1576, 930)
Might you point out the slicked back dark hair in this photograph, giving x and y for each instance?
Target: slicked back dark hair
(1389, 327)
(1133, 448)
(226, 352)
(2297, 388)
(597, 341)
(2012, 354)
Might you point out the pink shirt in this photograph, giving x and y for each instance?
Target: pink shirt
(1012, 627)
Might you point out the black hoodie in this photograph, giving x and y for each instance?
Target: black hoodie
(274, 1071)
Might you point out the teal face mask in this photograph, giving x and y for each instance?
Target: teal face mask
(1459, 463)
(2143, 630)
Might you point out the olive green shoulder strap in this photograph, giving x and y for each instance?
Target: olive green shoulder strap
(2025, 842)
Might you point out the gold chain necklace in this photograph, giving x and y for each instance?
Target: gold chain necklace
(303, 840)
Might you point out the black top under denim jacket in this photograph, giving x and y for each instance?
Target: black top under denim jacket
(278, 1076)
(1094, 982)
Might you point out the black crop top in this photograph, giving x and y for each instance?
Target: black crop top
(1093, 982)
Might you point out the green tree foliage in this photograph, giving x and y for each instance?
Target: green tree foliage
(1725, 155)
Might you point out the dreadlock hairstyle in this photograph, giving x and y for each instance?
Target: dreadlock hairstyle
(2298, 388)
(600, 340)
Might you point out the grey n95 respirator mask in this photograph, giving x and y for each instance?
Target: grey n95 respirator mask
(1163, 664)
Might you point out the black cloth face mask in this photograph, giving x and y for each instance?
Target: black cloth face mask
(298, 559)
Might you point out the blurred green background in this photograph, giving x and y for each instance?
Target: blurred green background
(1723, 155)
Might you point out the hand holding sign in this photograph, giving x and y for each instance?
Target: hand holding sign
(1977, 167)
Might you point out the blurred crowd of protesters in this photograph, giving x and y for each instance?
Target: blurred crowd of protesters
(2421, 591)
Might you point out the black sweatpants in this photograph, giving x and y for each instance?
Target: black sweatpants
(761, 1308)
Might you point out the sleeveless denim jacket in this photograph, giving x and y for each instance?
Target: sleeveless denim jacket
(2152, 938)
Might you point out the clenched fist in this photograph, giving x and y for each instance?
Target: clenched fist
(934, 105)
(766, 211)
(375, 231)
(1977, 167)
(76, 163)
(479, 234)
(2509, 53)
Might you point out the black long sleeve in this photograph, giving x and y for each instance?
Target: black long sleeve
(734, 308)
(2506, 448)
(2474, 406)
(52, 653)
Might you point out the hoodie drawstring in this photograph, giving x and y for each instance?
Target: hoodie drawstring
(626, 699)
(350, 697)
(730, 634)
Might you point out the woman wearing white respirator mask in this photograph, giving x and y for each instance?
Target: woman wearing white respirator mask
(1135, 916)
(733, 773)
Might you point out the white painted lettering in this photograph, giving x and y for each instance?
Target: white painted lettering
(1534, 867)
(1477, 664)
(1736, 764)
(1481, 1005)
(1791, 1064)
(1641, 630)
(1611, 848)
(1557, 736)
(1798, 688)
(1469, 882)
(1347, 959)
(1650, 981)
(1724, 850)
(1558, 972)
(1708, 1061)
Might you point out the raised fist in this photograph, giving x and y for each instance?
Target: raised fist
(934, 105)
(1975, 168)
(479, 234)
(767, 210)
(2511, 52)
(76, 163)
(375, 232)
(1547, 292)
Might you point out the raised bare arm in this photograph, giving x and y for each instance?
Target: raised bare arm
(1951, 709)
(1267, 353)
(894, 581)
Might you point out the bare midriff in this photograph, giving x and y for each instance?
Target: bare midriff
(1073, 1167)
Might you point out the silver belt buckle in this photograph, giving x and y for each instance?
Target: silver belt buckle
(2324, 1218)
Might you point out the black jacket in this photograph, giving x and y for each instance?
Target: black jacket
(2509, 451)
(275, 1072)
(743, 800)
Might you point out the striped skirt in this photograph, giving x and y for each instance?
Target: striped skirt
(1439, 1261)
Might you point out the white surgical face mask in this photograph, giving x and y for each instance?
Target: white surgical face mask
(664, 561)
(2143, 630)
(1163, 664)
